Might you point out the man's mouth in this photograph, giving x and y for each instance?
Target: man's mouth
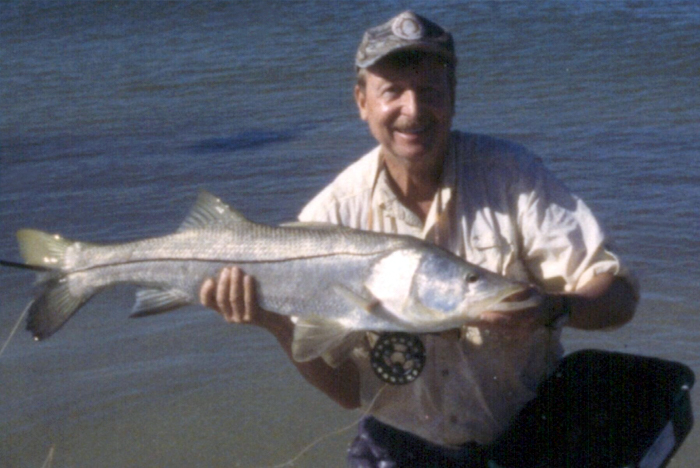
(412, 129)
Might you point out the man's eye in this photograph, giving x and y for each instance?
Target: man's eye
(391, 92)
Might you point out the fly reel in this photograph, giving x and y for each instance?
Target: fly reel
(398, 358)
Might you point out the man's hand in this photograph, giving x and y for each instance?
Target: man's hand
(546, 313)
(232, 294)
(605, 302)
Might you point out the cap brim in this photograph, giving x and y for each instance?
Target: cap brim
(404, 48)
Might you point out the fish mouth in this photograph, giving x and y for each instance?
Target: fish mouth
(524, 297)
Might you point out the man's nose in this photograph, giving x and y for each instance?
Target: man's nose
(411, 103)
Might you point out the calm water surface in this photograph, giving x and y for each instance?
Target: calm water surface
(114, 115)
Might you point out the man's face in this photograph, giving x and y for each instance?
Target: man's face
(408, 108)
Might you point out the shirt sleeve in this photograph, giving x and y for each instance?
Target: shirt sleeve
(347, 199)
(564, 245)
(321, 209)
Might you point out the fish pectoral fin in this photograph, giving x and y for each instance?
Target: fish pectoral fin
(315, 336)
(355, 299)
(372, 306)
(158, 301)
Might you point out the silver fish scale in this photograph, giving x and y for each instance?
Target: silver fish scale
(255, 243)
(300, 285)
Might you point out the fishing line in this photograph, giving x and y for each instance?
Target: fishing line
(14, 329)
(49, 459)
(291, 461)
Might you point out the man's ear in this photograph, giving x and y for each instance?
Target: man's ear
(361, 101)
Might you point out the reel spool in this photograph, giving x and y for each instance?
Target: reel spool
(398, 358)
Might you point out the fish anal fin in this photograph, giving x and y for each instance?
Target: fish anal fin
(158, 301)
(210, 210)
(315, 336)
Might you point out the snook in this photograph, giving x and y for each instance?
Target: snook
(335, 281)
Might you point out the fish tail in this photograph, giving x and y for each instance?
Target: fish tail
(23, 266)
(56, 303)
(53, 307)
(41, 249)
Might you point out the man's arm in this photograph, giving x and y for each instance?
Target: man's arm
(606, 301)
(233, 296)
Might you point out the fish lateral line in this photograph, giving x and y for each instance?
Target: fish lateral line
(192, 259)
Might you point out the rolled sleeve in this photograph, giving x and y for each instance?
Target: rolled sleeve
(564, 245)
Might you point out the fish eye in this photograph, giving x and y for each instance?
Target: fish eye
(471, 278)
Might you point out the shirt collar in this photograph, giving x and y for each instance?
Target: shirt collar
(384, 198)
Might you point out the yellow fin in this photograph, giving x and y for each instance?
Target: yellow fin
(40, 248)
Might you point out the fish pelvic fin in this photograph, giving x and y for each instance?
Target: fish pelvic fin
(339, 354)
(317, 336)
(41, 249)
(210, 210)
(53, 307)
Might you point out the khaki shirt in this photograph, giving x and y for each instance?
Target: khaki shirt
(499, 208)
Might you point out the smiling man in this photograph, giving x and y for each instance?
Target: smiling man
(407, 102)
(487, 200)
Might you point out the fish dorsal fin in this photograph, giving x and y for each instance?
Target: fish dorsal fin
(210, 210)
(315, 336)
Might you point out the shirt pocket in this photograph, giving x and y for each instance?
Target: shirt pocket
(490, 251)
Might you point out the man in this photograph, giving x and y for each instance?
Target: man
(487, 200)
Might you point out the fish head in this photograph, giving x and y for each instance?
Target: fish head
(452, 292)
(430, 289)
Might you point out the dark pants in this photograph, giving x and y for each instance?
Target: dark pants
(380, 446)
(576, 420)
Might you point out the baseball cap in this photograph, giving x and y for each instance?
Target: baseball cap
(406, 31)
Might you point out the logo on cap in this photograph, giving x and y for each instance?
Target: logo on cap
(406, 26)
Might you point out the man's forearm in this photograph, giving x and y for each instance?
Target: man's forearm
(341, 384)
(606, 301)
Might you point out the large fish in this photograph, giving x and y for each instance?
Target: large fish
(335, 281)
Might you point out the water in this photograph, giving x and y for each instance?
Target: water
(115, 114)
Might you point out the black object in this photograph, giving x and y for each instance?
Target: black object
(378, 445)
(602, 409)
(398, 358)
